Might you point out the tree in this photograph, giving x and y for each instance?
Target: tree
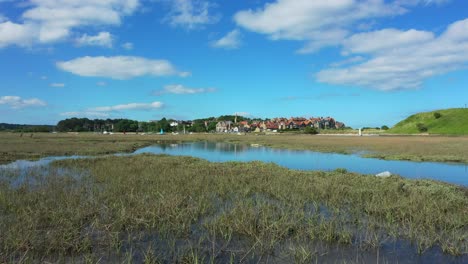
(437, 115)
(384, 127)
(164, 125)
(152, 127)
(421, 127)
(126, 125)
(198, 127)
(212, 126)
(310, 130)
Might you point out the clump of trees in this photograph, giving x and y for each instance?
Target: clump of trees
(421, 127)
(437, 115)
(114, 125)
(310, 130)
(127, 125)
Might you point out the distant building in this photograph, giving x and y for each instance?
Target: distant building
(224, 126)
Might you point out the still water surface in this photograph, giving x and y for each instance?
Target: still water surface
(293, 159)
(310, 160)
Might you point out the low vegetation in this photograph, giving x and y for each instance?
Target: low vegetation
(155, 209)
(442, 122)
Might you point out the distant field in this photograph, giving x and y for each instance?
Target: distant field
(442, 122)
(13, 146)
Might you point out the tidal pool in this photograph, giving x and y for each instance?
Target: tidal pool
(310, 160)
(294, 159)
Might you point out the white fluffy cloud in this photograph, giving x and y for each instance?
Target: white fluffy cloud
(180, 89)
(17, 102)
(103, 39)
(46, 21)
(130, 106)
(319, 23)
(231, 41)
(16, 34)
(401, 59)
(385, 40)
(119, 67)
(191, 14)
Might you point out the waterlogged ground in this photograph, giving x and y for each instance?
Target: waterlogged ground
(293, 159)
(310, 160)
(13, 146)
(164, 209)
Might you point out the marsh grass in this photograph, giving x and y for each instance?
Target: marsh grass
(415, 148)
(159, 209)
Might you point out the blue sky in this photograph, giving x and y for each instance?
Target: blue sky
(364, 62)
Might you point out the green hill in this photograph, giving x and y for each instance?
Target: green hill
(445, 122)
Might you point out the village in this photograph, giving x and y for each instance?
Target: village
(277, 124)
(221, 124)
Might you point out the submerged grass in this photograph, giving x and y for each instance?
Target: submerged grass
(157, 208)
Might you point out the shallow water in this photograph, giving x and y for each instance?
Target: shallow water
(310, 160)
(293, 159)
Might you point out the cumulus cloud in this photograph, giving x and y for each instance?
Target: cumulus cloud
(191, 14)
(46, 21)
(385, 40)
(16, 34)
(401, 59)
(231, 41)
(130, 106)
(319, 23)
(103, 39)
(57, 85)
(180, 89)
(17, 102)
(119, 67)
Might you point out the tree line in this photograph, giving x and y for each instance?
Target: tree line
(25, 128)
(127, 125)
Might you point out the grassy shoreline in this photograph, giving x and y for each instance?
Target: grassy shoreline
(166, 209)
(413, 148)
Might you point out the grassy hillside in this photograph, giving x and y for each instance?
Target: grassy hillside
(450, 122)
